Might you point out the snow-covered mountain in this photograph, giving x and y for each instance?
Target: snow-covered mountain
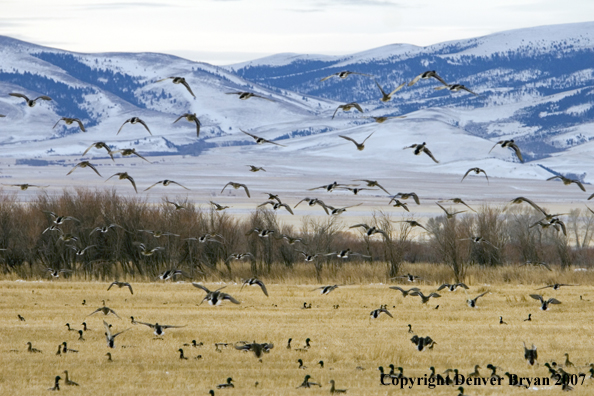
(534, 85)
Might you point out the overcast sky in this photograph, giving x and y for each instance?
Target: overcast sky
(228, 31)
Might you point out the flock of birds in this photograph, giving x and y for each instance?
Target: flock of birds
(217, 297)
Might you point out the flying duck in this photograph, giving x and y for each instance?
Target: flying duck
(165, 183)
(360, 146)
(128, 152)
(100, 145)
(347, 107)
(246, 95)
(30, 102)
(254, 282)
(377, 312)
(566, 181)
(84, 164)
(544, 304)
(326, 289)
(370, 231)
(110, 338)
(191, 117)
(421, 342)
(426, 75)
(70, 121)
(179, 80)
(159, 329)
(476, 171)
(135, 120)
(120, 285)
(24, 186)
(421, 148)
(277, 205)
(254, 168)
(122, 176)
(215, 297)
(387, 97)
(104, 310)
(424, 298)
(472, 302)
(530, 354)
(449, 215)
(236, 186)
(343, 74)
(405, 292)
(452, 287)
(455, 88)
(510, 144)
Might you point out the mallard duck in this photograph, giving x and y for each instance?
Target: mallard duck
(179, 80)
(426, 75)
(344, 74)
(510, 144)
(246, 95)
(399, 204)
(191, 117)
(30, 102)
(360, 146)
(457, 201)
(100, 145)
(70, 121)
(472, 302)
(84, 164)
(69, 328)
(122, 176)
(347, 107)
(56, 273)
(421, 148)
(65, 348)
(412, 223)
(59, 220)
(501, 321)
(338, 211)
(345, 254)
(256, 348)
(261, 140)
(262, 233)
(135, 120)
(166, 183)
(544, 304)
(80, 336)
(255, 282)
(301, 365)
(291, 240)
(120, 285)
(81, 252)
(236, 186)
(215, 297)
(476, 171)
(408, 277)
(146, 251)
(387, 97)
(330, 187)
(105, 311)
(308, 257)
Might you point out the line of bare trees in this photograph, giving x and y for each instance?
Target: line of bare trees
(31, 245)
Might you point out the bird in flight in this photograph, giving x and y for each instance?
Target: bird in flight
(567, 181)
(236, 186)
(422, 148)
(179, 80)
(509, 144)
(166, 183)
(100, 145)
(476, 171)
(343, 75)
(70, 121)
(347, 107)
(456, 88)
(360, 146)
(426, 75)
(386, 97)
(122, 176)
(84, 164)
(191, 118)
(30, 102)
(24, 186)
(246, 95)
(260, 140)
(134, 120)
(120, 285)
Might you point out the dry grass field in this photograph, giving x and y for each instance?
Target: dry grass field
(344, 337)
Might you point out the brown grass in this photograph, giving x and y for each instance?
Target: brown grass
(344, 338)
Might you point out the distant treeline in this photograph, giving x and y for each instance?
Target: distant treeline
(32, 241)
